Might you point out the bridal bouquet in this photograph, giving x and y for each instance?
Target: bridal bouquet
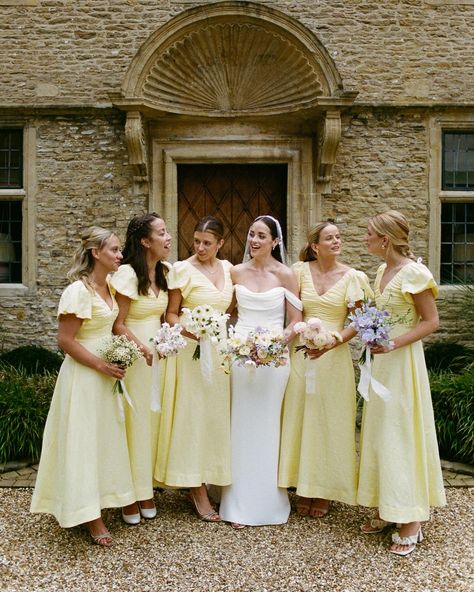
(373, 328)
(261, 347)
(168, 340)
(119, 350)
(314, 335)
(205, 322)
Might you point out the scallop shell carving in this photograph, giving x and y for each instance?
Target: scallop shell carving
(232, 68)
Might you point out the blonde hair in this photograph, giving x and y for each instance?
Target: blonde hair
(396, 228)
(307, 253)
(94, 237)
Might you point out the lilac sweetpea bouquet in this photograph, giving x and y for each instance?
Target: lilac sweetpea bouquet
(372, 324)
(168, 340)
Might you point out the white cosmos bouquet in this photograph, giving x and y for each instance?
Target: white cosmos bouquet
(119, 350)
(206, 323)
(261, 347)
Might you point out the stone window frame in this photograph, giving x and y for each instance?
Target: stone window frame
(437, 125)
(27, 195)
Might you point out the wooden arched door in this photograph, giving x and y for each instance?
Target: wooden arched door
(235, 193)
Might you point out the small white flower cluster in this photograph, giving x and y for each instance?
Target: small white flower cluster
(168, 340)
(205, 321)
(118, 349)
(261, 347)
(314, 335)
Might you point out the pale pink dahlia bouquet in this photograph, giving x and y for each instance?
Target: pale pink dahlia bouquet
(314, 335)
(261, 347)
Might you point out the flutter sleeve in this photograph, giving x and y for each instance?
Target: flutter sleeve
(358, 287)
(125, 281)
(417, 278)
(76, 300)
(298, 269)
(179, 278)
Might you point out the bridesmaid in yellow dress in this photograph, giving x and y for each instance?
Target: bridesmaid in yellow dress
(194, 439)
(400, 471)
(317, 454)
(84, 464)
(142, 296)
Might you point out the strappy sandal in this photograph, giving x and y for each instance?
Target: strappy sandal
(303, 506)
(211, 516)
(103, 540)
(409, 541)
(237, 525)
(374, 526)
(316, 510)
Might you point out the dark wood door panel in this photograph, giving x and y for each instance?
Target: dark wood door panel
(235, 193)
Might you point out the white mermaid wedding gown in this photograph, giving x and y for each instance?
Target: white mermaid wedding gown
(254, 497)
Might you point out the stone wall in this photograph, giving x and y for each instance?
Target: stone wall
(392, 52)
(83, 179)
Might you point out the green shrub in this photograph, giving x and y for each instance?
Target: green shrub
(32, 359)
(453, 404)
(24, 405)
(448, 356)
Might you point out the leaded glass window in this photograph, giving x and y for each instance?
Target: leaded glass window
(11, 158)
(10, 241)
(457, 243)
(458, 161)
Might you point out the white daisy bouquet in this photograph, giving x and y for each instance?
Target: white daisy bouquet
(168, 340)
(261, 347)
(206, 323)
(314, 335)
(119, 350)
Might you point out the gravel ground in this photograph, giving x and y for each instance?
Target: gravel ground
(176, 552)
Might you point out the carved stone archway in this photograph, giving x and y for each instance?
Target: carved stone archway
(233, 62)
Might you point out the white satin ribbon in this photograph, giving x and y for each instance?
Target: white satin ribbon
(366, 380)
(205, 358)
(155, 404)
(122, 395)
(310, 376)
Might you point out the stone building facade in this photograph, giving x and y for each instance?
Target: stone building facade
(366, 105)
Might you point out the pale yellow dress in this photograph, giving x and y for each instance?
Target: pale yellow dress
(317, 453)
(143, 319)
(194, 438)
(84, 464)
(400, 471)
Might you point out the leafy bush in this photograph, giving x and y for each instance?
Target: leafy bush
(453, 404)
(448, 356)
(32, 359)
(24, 405)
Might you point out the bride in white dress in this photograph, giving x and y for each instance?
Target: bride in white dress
(266, 291)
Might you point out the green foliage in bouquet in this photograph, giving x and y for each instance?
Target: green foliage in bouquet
(451, 356)
(24, 405)
(32, 359)
(453, 404)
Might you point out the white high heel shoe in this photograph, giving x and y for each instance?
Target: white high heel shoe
(148, 513)
(131, 519)
(410, 542)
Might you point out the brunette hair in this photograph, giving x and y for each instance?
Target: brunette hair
(270, 222)
(140, 227)
(396, 228)
(212, 225)
(94, 237)
(307, 253)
